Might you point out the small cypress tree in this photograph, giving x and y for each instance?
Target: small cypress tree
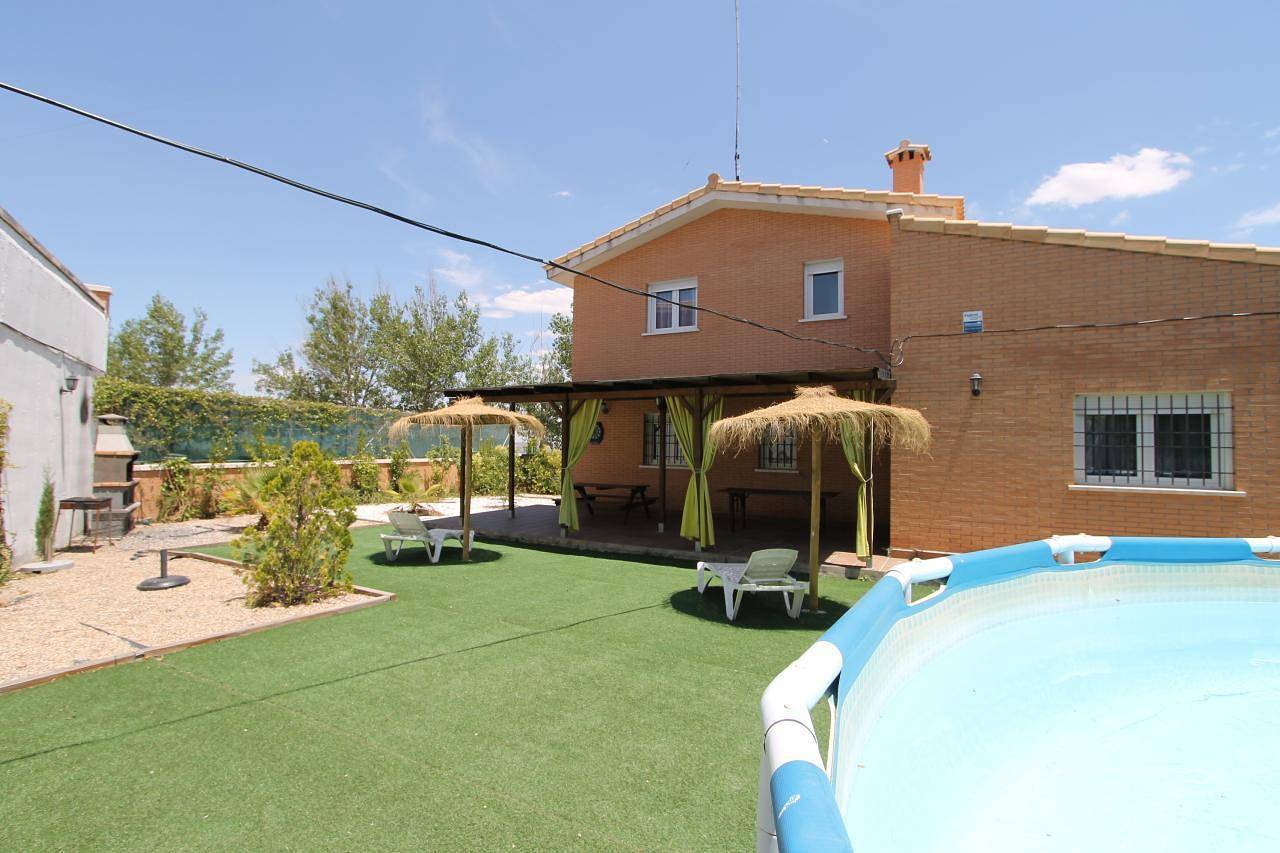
(45, 519)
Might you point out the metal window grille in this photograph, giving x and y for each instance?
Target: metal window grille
(1169, 440)
(777, 453)
(653, 438)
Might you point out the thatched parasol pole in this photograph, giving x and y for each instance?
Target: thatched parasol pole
(815, 514)
(466, 493)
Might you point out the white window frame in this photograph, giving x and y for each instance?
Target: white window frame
(1145, 407)
(813, 268)
(675, 286)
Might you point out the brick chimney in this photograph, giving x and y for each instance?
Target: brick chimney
(907, 162)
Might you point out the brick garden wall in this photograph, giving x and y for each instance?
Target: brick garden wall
(1001, 463)
(151, 477)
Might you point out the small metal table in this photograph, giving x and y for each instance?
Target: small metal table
(85, 505)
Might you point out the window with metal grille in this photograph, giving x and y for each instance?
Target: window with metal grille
(777, 452)
(653, 439)
(1170, 440)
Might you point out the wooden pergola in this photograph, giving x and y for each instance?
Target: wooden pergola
(567, 397)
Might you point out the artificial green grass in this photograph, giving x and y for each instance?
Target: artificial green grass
(530, 699)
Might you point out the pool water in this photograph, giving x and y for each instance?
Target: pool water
(1108, 720)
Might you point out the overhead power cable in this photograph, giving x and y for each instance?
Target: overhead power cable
(893, 358)
(434, 229)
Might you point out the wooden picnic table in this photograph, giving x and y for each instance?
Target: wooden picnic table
(738, 500)
(635, 496)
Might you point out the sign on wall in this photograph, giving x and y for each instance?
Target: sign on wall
(971, 321)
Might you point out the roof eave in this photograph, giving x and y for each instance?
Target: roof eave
(854, 204)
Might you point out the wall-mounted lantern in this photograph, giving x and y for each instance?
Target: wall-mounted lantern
(975, 384)
(69, 383)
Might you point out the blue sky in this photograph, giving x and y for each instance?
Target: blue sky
(543, 125)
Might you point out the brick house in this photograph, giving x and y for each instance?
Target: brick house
(1130, 430)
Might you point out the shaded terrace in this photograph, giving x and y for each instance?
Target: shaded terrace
(608, 529)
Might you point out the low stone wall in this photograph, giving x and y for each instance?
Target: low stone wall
(150, 477)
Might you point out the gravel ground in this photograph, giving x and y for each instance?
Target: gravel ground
(94, 611)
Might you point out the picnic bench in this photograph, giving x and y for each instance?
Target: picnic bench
(629, 496)
(738, 500)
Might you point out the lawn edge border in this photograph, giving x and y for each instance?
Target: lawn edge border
(374, 596)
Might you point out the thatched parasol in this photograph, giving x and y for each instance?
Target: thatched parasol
(467, 413)
(817, 412)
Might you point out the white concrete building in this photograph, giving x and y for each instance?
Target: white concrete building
(53, 342)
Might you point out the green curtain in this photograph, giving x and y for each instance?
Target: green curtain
(696, 522)
(854, 443)
(581, 426)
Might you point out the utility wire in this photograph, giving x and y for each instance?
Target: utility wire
(900, 343)
(434, 229)
(894, 358)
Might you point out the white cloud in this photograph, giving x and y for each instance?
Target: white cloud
(562, 193)
(459, 270)
(496, 300)
(1150, 171)
(442, 130)
(1120, 218)
(1272, 133)
(547, 300)
(1259, 218)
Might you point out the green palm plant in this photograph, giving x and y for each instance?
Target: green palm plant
(244, 496)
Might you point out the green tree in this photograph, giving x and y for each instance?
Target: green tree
(343, 359)
(160, 348)
(436, 344)
(557, 362)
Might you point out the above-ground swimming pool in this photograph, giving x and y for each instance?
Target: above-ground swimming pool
(1035, 703)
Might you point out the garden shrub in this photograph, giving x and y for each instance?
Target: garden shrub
(364, 471)
(178, 491)
(301, 555)
(399, 464)
(537, 472)
(243, 496)
(45, 520)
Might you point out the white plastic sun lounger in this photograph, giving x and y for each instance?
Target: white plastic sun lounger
(411, 528)
(764, 571)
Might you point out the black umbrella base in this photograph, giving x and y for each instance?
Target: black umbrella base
(164, 582)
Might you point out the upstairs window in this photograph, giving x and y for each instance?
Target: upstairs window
(653, 442)
(1179, 441)
(824, 290)
(777, 452)
(673, 309)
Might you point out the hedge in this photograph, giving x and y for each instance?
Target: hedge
(229, 427)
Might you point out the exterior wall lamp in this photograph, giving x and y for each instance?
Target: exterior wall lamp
(69, 383)
(975, 384)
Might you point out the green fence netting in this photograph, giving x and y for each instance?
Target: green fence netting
(196, 424)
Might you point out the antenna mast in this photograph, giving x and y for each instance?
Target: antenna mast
(737, 96)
